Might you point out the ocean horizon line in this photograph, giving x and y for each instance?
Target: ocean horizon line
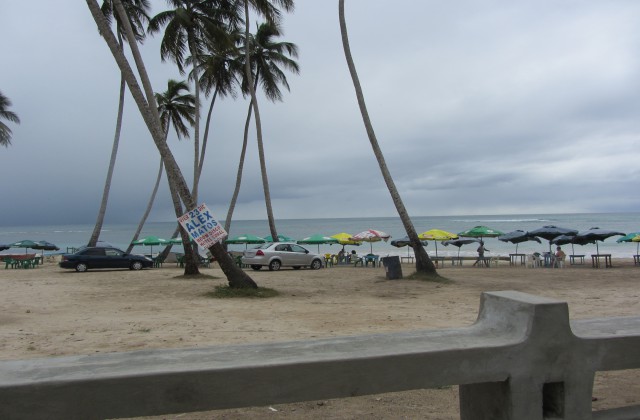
(462, 218)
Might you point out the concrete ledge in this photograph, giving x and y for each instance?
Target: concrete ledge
(521, 351)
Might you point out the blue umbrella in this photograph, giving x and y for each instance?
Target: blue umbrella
(596, 234)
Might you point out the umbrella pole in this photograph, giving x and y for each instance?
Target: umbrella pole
(517, 248)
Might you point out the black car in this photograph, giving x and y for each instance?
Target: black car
(104, 257)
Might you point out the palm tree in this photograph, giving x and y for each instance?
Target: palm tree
(267, 58)
(187, 27)
(271, 13)
(137, 12)
(145, 101)
(218, 68)
(423, 262)
(176, 107)
(5, 114)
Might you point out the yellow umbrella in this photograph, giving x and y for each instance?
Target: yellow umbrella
(345, 239)
(437, 235)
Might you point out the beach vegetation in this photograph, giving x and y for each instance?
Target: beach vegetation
(137, 18)
(5, 114)
(144, 98)
(175, 105)
(423, 262)
(269, 10)
(225, 292)
(193, 27)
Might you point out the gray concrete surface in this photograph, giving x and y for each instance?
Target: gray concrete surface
(522, 359)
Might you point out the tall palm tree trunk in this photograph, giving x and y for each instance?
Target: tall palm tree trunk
(143, 220)
(196, 130)
(95, 235)
(146, 104)
(243, 152)
(256, 110)
(190, 257)
(423, 262)
(205, 136)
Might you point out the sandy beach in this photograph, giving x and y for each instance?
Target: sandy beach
(48, 311)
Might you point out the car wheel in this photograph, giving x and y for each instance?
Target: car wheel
(316, 264)
(297, 267)
(136, 265)
(274, 265)
(256, 267)
(81, 267)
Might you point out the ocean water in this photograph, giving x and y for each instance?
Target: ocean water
(65, 236)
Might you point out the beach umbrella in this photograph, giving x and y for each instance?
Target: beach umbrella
(3, 247)
(596, 234)
(459, 242)
(281, 238)
(517, 237)
(150, 241)
(631, 237)
(573, 240)
(480, 232)
(25, 243)
(437, 235)
(245, 239)
(45, 246)
(344, 239)
(371, 236)
(549, 232)
(399, 243)
(318, 239)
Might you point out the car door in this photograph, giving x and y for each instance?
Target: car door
(300, 255)
(93, 257)
(115, 258)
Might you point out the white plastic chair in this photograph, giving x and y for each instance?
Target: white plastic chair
(532, 261)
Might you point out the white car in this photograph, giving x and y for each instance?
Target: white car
(281, 254)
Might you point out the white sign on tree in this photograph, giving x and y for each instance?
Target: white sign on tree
(202, 226)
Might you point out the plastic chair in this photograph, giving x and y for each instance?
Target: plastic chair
(357, 260)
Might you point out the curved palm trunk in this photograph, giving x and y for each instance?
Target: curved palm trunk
(243, 152)
(136, 235)
(256, 110)
(196, 129)
(205, 136)
(167, 249)
(190, 257)
(423, 262)
(149, 112)
(95, 235)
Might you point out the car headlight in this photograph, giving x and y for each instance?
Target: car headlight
(148, 259)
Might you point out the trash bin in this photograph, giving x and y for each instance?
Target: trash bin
(392, 267)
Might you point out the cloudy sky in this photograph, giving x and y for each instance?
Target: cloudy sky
(492, 108)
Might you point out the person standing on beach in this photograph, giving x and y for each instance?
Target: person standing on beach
(480, 250)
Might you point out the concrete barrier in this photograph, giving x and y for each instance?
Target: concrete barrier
(522, 359)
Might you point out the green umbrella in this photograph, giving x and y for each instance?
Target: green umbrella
(150, 241)
(480, 232)
(25, 243)
(281, 238)
(245, 239)
(318, 239)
